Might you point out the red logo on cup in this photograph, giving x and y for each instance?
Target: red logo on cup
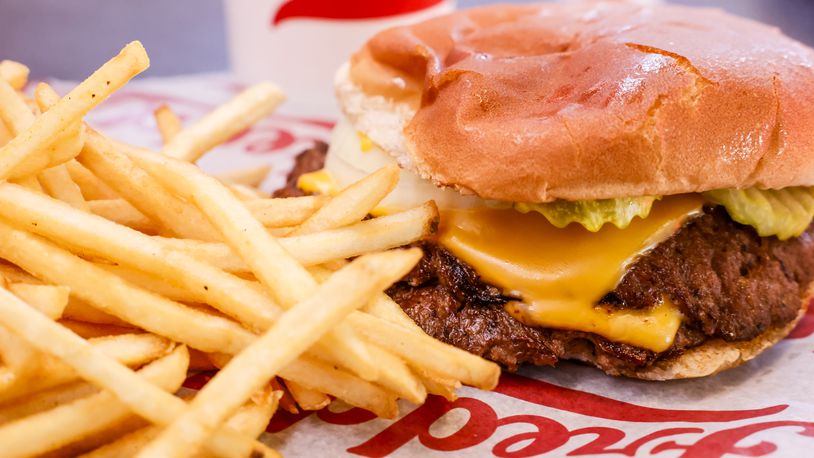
(356, 9)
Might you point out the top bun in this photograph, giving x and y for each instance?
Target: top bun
(588, 100)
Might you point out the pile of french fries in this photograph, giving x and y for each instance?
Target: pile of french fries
(123, 270)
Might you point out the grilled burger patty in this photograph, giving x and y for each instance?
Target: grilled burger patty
(728, 282)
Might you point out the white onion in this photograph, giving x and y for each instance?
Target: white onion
(347, 163)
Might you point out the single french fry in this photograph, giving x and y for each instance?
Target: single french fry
(121, 212)
(45, 400)
(353, 203)
(127, 445)
(250, 176)
(287, 280)
(387, 309)
(168, 123)
(14, 274)
(21, 364)
(48, 299)
(382, 233)
(306, 398)
(31, 183)
(103, 82)
(143, 398)
(91, 330)
(59, 185)
(64, 424)
(113, 295)
(445, 387)
(226, 121)
(293, 333)
(14, 73)
(285, 212)
(156, 285)
(92, 187)
(14, 112)
(5, 135)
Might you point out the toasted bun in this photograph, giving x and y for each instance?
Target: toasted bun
(588, 100)
(709, 358)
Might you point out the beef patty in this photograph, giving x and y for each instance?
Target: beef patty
(728, 282)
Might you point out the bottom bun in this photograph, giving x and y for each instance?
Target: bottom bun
(709, 358)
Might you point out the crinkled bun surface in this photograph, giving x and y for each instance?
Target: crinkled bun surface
(588, 100)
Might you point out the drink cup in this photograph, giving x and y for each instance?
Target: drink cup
(299, 44)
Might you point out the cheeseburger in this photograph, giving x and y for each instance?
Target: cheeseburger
(622, 185)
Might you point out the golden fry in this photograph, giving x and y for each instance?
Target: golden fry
(92, 187)
(59, 185)
(353, 203)
(225, 122)
(103, 82)
(169, 124)
(14, 73)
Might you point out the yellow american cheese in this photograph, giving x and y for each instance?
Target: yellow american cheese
(561, 274)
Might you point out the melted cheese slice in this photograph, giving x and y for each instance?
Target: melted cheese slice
(561, 274)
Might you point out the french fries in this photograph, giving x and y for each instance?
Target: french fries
(121, 212)
(285, 279)
(225, 122)
(48, 299)
(46, 431)
(115, 73)
(14, 112)
(353, 203)
(157, 314)
(123, 269)
(140, 396)
(128, 349)
(91, 186)
(376, 234)
(59, 184)
(249, 370)
(14, 73)
(168, 123)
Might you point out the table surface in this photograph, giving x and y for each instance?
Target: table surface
(64, 39)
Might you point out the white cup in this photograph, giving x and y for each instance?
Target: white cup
(299, 44)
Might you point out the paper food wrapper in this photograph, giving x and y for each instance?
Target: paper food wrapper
(763, 408)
